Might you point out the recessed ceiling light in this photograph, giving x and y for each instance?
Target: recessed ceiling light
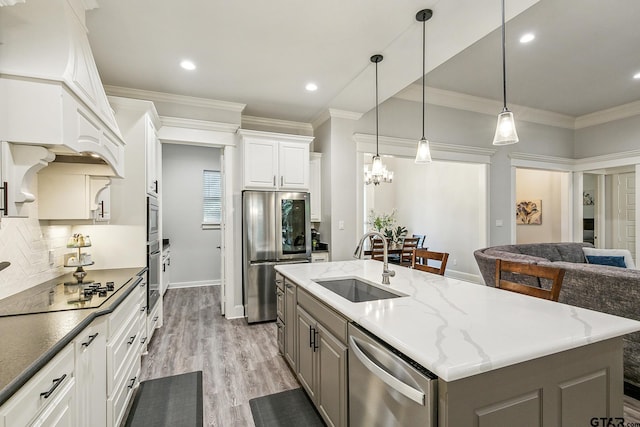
(527, 38)
(636, 76)
(311, 87)
(188, 65)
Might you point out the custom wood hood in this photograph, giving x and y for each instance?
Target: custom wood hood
(52, 95)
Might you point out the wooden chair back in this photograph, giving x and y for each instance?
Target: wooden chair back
(420, 258)
(377, 249)
(408, 246)
(420, 238)
(555, 275)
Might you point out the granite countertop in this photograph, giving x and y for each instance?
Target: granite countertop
(29, 341)
(458, 329)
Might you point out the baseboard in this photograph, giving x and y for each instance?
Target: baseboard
(632, 390)
(194, 284)
(236, 313)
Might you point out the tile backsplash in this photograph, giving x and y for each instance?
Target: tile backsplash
(26, 245)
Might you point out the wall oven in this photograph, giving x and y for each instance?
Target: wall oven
(153, 253)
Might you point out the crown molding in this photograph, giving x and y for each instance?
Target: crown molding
(407, 148)
(274, 135)
(476, 104)
(461, 101)
(143, 105)
(190, 101)
(539, 161)
(610, 114)
(305, 128)
(332, 113)
(179, 122)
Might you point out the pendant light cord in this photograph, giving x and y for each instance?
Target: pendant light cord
(504, 63)
(377, 110)
(423, 72)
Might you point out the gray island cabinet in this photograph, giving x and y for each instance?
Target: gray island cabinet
(500, 358)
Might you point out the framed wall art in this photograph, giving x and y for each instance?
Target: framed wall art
(529, 212)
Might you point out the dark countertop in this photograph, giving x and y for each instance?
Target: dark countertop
(29, 341)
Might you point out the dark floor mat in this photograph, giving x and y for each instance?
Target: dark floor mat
(174, 401)
(291, 408)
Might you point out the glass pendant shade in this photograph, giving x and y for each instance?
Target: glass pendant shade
(423, 155)
(506, 129)
(377, 167)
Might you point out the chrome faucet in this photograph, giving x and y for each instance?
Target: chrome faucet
(386, 273)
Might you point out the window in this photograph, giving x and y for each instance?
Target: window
(211, 197)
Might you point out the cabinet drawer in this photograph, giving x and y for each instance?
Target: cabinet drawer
(41, 391)
(118, 401)
(323, 314)
(118, 319)
(119, 349)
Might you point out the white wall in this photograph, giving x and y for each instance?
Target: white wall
(195, 258)
(545, 186)
(446, 201)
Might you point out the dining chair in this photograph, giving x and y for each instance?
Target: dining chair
(377, 249)
(421, 257)
(409, 244)
(523, 273)
(420, 240)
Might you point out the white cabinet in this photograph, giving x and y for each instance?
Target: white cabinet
(124, 346)
(91, 379)
(315, 186)
(319, 256)
(153, 149)
(73, 191)
(275, 161)
(48, 398)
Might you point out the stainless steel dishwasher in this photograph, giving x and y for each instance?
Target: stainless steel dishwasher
(385, 387)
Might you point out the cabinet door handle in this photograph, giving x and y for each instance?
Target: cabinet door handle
(56, 383)
(155, 183)
(91, 338)
(133, 381)
(274, 180)
(131, 340)
(311, 335)
(102, 208)
(315, 340)
(169, 259)
(143, 340)
(164, 267)
(5, 207)
(143, 309)
(289, 285)
(155, 318)
(281, 180)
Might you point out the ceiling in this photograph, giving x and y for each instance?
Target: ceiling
(263, 53)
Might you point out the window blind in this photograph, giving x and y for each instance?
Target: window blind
(212, 197)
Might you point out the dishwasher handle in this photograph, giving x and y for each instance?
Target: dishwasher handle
(393, 382)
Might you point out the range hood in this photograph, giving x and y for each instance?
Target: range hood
(52, 95)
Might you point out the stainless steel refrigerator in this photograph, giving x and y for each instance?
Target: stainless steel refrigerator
(276, 229)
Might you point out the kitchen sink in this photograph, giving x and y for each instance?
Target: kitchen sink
(356, 290)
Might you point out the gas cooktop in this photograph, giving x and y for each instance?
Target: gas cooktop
(58, 295)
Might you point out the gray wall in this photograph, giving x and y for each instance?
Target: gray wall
(401, 118)
(195, 259)
(617, 136)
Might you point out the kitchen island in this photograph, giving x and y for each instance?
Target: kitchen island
(501, 358)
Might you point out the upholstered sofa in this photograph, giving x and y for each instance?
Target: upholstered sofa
(612, 290)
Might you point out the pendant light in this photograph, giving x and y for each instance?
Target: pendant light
(423, 154)
(378, 172)
(506, 127)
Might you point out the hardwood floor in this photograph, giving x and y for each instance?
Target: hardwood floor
(238, 361)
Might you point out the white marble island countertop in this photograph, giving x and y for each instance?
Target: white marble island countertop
(458, 329)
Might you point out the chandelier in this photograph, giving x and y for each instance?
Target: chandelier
(378, 172)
